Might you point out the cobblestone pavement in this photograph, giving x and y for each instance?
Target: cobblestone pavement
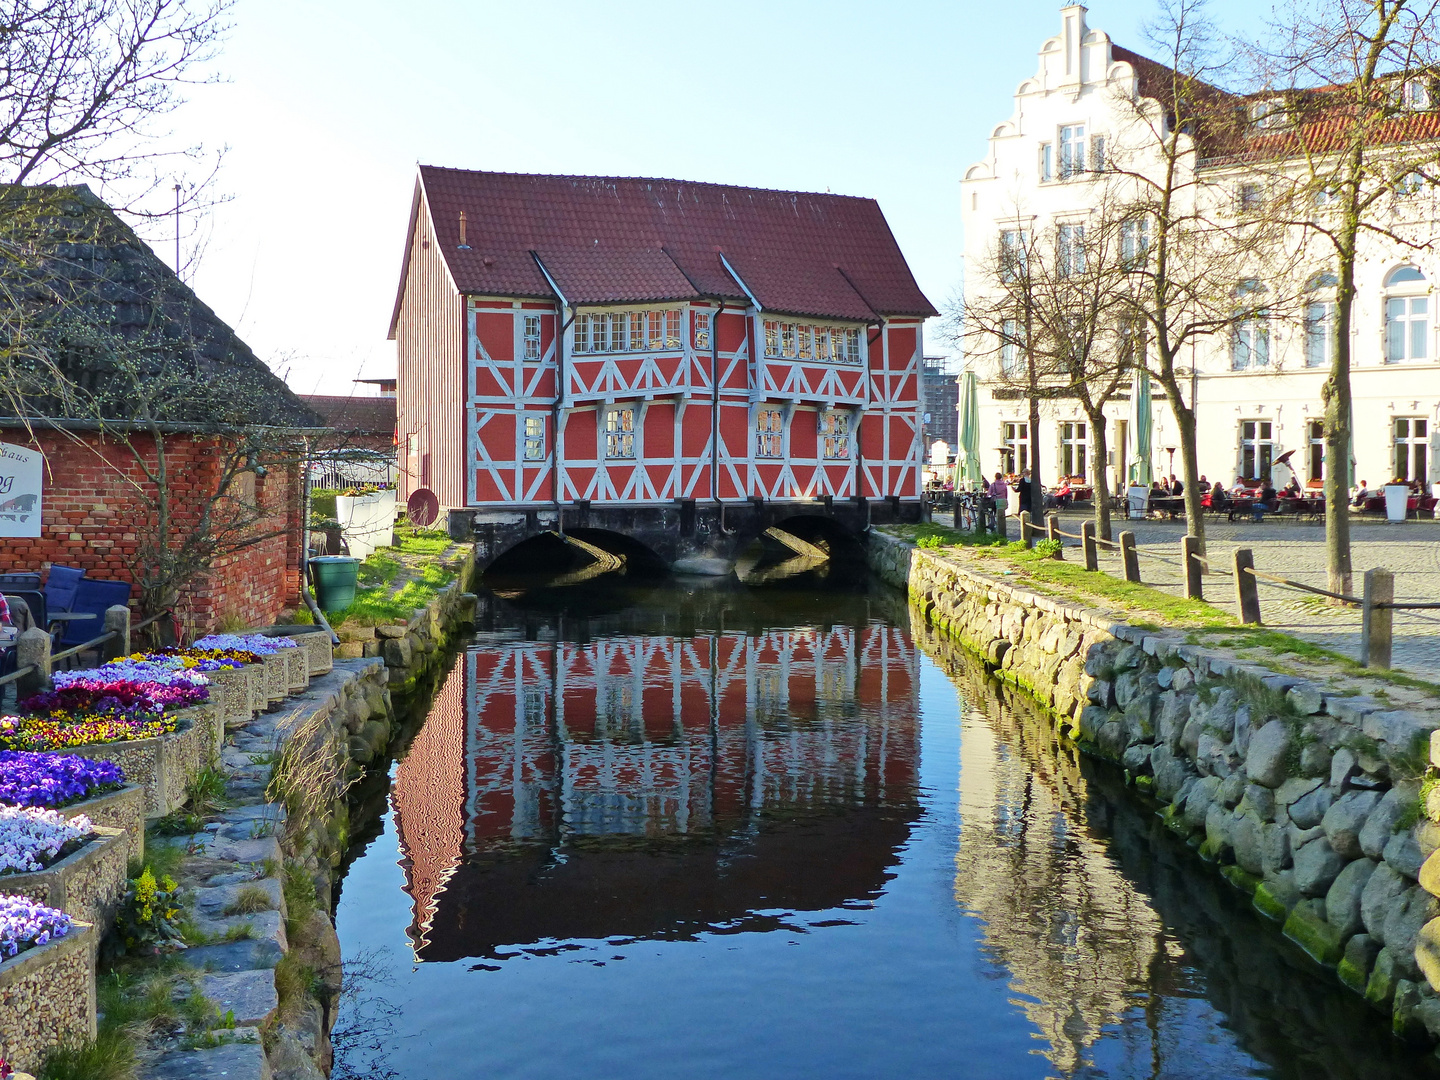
(1297, 550)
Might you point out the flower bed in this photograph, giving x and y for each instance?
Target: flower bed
(255, 643)
(54, 780)
(25, 924)
(31, 837)
(87, 883)
(36, 733)
(48, 988)
(163, 763)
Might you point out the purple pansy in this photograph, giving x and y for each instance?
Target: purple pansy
(28, 779)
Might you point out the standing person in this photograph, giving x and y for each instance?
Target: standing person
(1023, 487)
(998, 489)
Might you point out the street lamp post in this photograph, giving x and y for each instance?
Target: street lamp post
(1171, 451)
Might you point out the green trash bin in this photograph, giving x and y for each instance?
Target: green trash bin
(334, 577)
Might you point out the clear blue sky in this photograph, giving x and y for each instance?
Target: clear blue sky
(327, 108)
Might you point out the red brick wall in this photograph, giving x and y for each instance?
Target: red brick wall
(94, 512)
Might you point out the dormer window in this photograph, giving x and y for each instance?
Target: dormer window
(1268, 115)
(1417, 94)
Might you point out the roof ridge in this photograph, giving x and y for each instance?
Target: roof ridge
(646, 180)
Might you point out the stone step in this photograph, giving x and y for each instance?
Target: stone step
(242, 1059)
(250, 995)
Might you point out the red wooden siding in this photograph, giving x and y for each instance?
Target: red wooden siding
(428, 338)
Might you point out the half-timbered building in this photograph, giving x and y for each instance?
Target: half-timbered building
(600, 342)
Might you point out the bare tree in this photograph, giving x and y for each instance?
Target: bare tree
(1214, 262)
(1345, 122)
(1059, 300)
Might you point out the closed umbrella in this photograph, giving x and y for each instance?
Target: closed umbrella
(1140, 421)
(967, 461)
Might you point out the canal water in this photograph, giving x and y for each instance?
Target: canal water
(678, 831)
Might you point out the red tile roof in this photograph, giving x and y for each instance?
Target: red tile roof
(619, 240)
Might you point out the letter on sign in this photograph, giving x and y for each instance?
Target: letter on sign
(20, 473)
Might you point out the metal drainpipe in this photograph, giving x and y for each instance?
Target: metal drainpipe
(555, 420)
(860, 418)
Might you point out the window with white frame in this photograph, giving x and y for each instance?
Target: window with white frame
(620, 431)
(1047, 161)
(1250, 332)
(1268, 115)
(835, 435)
(1319, 320)
(1315, 461)
(769, 432)
(1412, 449)
(1410, 184)
(1015, 438)
(1097, 153)
(627, 331)
(1070, 250)
(1011, 334)
(1074, 443)
(1072, 150)
(805, 341)
(701, 322)
(1407, 316)
(1251, 197)
(1257, 449)
(1134, 241)
(1014, 253)
(532, 337)
(534, 448)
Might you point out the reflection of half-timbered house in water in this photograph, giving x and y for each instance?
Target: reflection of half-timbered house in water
(766, 772)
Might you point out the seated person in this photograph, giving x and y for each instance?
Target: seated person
(1064, 494)
(1361, 494)
(1218, 498)
(1240, 487)
(1292, 489)
(1265, 502)
(1177, 486)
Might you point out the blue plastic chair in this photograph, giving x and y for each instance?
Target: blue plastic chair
(61, 586)
(93, 596)
(19, 580)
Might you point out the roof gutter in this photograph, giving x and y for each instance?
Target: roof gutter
(559, 391)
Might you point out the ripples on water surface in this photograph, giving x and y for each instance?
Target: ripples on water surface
(774, 833)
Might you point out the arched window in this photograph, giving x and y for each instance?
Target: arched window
(1319, 319)
(1250, 333)
(1407, 316)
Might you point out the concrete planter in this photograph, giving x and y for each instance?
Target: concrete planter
(319, 650)
(123, 810)
(163, 765)
(230, 696)
(48, 996)
(87, 884)
(297, 662)
(275, 671)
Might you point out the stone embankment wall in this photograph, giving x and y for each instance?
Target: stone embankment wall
(411, 649)
(1308, 800)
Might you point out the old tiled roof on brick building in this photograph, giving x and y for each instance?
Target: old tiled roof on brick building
(82, 295)
(599, 240)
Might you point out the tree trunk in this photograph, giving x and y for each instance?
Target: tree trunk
(1189, 460)
(1037, 500)
(1336, 395)
(1100, 452)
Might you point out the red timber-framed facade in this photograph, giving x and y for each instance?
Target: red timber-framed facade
(561, 341)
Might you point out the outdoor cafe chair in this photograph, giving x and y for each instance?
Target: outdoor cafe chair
(60, 587)
(85, 619)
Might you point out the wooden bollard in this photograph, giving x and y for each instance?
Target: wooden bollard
(1376, 622)
(1129, 556)
(1247, 591)
(1001, 525)
(1087, 544)
(1052, 532)
(1027, 531)
(1190, 557)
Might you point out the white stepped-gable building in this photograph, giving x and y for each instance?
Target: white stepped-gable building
(1256, 386)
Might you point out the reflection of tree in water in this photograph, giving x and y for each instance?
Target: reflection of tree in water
(1125, 948)
(1076, 936)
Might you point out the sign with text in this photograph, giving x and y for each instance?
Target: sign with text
(20, 473)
